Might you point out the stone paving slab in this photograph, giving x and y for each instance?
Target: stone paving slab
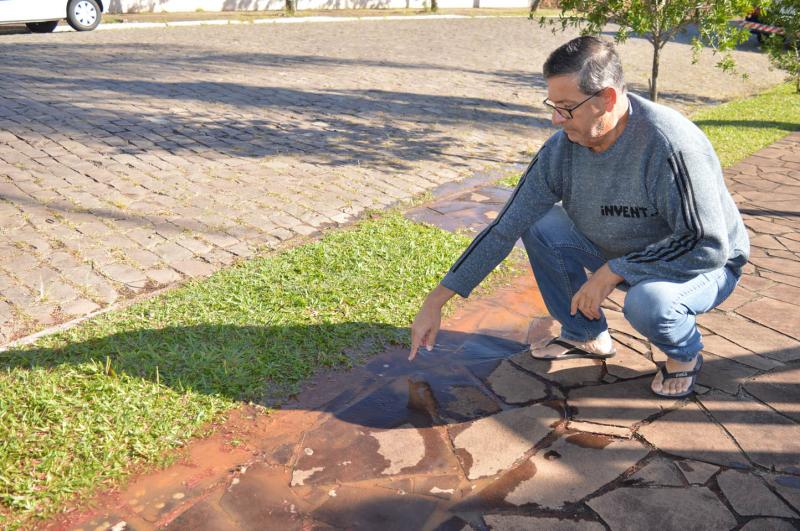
(696, 472)
(619, 404)
(573, 467)
(493, 444)
(497, 522)
(768, 524)
(632, 509)
(788, 487)
(768, 438)
(689, 432)
(514, 386)
(660, 472)
(778, 389)
(749, 496)
(253, 135)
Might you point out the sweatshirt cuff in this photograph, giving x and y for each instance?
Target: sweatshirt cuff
(617, 265)
(450, 282)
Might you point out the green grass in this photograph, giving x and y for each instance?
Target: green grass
(740, 128)
(509, 181)
(80, 408)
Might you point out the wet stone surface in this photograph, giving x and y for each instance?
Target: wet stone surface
(260, 497)
(514, 386)
(205, 517)
(567, 373)
(374, 508)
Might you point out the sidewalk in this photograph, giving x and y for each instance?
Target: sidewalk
(477, 435)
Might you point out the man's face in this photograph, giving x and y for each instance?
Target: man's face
(589, 122)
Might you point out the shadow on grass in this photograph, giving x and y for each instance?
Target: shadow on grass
(751, 124)
(235, 362)
(270, 364)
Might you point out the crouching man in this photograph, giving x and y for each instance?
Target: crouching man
(629, 190)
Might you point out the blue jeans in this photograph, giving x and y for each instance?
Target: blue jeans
(663, 311)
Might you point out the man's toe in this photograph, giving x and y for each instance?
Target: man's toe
(658, 384)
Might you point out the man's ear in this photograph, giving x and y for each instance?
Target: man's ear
(610, 96)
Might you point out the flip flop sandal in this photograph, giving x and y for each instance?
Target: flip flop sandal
(682, 374)
(572, 352)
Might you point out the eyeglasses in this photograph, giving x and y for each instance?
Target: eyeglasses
(566, 112)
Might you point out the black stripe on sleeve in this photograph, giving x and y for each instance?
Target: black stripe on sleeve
(691, 218)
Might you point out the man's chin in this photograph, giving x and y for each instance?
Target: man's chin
(572, 137)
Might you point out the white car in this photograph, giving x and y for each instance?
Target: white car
(42, 16)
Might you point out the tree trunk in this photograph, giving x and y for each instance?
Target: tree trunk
(654, 74)
(534, 8)
(291, 6)
(434, 6)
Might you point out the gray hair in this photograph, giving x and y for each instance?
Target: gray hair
(594, 60)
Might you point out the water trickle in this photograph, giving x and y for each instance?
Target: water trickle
(788, 481)
(590, 440)
(420, 397)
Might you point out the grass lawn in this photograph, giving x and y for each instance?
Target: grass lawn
(740, 128)
(79, 410)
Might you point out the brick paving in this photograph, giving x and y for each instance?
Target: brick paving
(132, 160)
(477, 435)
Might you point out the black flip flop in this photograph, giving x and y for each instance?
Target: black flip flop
(665, 375)
(572, 352)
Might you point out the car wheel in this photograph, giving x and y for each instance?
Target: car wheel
(83, 15)
(42, 27)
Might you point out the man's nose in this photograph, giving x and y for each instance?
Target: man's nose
(557, 119)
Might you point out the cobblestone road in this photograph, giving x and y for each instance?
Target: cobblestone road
(133, 159)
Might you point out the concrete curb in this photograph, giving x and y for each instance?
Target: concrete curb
(293, 20)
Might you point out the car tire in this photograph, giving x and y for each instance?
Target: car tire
(42, 27)
(83, 15)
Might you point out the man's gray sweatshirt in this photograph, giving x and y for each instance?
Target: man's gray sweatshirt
(654, 203)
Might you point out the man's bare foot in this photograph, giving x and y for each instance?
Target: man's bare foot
(601, 345)
(674, 386)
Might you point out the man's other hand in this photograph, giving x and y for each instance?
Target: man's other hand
(592, 294)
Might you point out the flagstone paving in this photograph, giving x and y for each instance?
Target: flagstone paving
(478, 435)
